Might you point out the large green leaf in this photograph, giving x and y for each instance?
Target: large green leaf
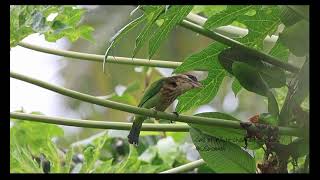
(252, 80)
(207, 60)
(172, 17)
(249, 78)
(280, 51)
(263, 23)
(303, 11)
(226, 16)
(296, 38)
(222, 156)
(235, 136)
(274, 76)
(288, 16)
(123, 32)
(147, 30)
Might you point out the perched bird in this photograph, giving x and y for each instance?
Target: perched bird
(159, 96)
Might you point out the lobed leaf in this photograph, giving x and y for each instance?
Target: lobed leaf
(263, 23)
(173, 16)
(226, 16)
(207, 60)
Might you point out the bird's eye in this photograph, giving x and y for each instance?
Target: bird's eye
(173, 84)
(192, 77)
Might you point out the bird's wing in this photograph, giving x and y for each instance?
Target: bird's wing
(151, 91)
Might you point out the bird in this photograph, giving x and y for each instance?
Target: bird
(159, 96)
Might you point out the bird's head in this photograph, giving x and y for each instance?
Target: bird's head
(185, 82)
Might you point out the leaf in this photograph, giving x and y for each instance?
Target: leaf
(39, 23)
(68, 161)
(206, 60)
(296, 38)
(288, 16)
(222, 156)
(120, 34)
(280, 51)
(236, 86)
(235, 136)
(263, 23)
(173, 16)
(131, 164)
(208, 10)
(268, 118)
(301, 10)
(146, 32)
(226, 16)
(273, 107)
(274, 76)
(25, 20)
(249, 78)
(298, 148)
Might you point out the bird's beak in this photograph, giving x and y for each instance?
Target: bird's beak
(196, 84)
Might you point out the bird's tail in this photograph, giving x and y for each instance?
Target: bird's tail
(133, 137)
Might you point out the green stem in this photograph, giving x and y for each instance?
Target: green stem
(98, 124)
(235, 44)
(229, 30)
(143, 111)
(186, 167)
(99, 58)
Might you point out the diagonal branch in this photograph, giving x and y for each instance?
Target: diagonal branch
(143, 111)
(235, 44)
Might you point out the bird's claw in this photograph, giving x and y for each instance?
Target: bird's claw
(175, 113)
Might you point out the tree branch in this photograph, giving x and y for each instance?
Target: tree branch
(235, 44)
(186, 167)
(99, 58)
(143, 111)
(98, 124)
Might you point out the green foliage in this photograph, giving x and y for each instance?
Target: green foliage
(172, 17)
(169, 18)
(222, 156)
(236, 86)
(29, 140)
(264, 22)
(227, 16)
(27, 19)
(252, 80)
(280, 51)
(208, 10)
(205, 59)
(272, 75)
(235, 136)
(296, 38)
